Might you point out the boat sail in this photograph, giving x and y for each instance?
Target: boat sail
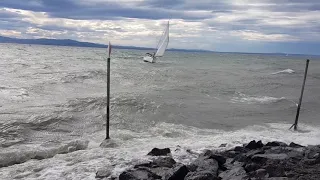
(161, 48)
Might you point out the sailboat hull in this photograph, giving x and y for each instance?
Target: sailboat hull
(149, 59)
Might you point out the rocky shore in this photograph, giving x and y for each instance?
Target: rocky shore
(255, 160)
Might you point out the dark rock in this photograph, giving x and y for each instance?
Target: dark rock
(261, 158)
(240, 149)
(254, 145)
(103, 173)
(275, 170)
(159, 152)
(276, 143)
(204, 164)
(164, 162)
(221, 160)
(261, 173)
(223, 145)
(237, 173)
(201, 175)
(252, 167)
(139, 174)
(178, 173)
(254, 152)
(294, 145)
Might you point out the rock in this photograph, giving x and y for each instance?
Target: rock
(251, 167)
(221, 160)
(237, 173)
(204, 164)
(223, 145)
(178, 173)
(240, 149)
(294, 145)
(277, 178)
(159, 152)
(103, 173)
(261, 173)
(159, 162)
(201, 175)
(164, 162)
(139, 174)
(276, 143)
(275, 170)
(254, 145)
(261, 158)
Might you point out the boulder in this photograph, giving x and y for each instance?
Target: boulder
(254, 145)
(261, 158)
(237, 173)
(294, 145)
(159, 152)
(201, 175)
(204, 164)
(276, 143)
(177, 173)
(139, 174)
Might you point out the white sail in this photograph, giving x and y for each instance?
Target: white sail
(163, 43)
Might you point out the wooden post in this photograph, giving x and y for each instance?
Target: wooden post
(300, 100)
(108, 94)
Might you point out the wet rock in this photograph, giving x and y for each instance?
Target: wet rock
(261, 158)
(178, 173)
(159, 152)
(237, 173)
(159, 162)
(276, 143)
(240, 149)
(221, 160)
(261, 173)
(201, 175)
(294, 145)
(223, 145)
(254, 145)
(252, 167)
(139, 174)
(204, 164)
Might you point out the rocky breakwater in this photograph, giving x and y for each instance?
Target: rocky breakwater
(255, 160)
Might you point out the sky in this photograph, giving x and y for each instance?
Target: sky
(266, 26)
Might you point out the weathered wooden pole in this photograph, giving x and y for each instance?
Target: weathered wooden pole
(108, 94)
(300, 100)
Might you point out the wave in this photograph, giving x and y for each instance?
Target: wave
(44, 151)
(243, 98)
(289, 71)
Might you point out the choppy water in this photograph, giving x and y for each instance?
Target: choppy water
(51, 97)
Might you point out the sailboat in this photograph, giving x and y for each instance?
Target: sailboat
(161, 47)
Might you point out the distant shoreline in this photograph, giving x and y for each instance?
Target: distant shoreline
(74, 43)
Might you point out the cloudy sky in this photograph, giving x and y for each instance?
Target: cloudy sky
(289, 26)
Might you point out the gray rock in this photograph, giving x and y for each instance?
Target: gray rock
(276, 143)
(108, 143)
(294, 145)
(201, 175)
(237, 173)
(159, 152)
(139, 174)
(252, 167)
(204, 164)
(261, 158)
(261, 173)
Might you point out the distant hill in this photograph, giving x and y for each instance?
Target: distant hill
(69, 42)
